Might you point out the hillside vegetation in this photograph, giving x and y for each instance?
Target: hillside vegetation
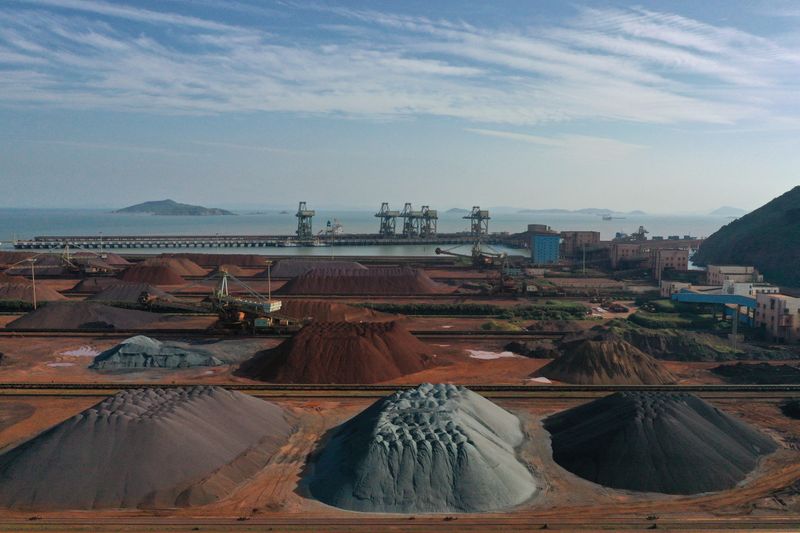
(768, 238)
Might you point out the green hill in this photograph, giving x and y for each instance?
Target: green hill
(171, 207)
(768, 238)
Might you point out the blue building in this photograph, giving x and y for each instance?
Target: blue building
(545, 248)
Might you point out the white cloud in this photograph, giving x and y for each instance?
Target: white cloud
(131, 13)
(249, 147)
(620, 65)
(582, 145)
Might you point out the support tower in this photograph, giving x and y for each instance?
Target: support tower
(388, 220)
(304, 216)
(479, 221)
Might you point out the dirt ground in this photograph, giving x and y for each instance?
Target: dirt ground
(276, 495)
(66, 359)
(277, 491)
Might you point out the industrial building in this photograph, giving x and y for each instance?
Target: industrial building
(662, 259)
(624, 254)
(573, 243)
(719, 274)
(779, 316)
(545, 245)
(667, 288)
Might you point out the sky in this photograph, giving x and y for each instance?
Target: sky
(668, 107)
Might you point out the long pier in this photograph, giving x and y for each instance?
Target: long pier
(243, 241)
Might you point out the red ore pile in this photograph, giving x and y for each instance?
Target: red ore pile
(234, 270)
(291, 268)
(153, 274)
(129, 293)
(7, 278)
(374, 281)
(94, 285)
(331, 312)
(23, 292)
(181, 265)
(215, 260)
(341, 352)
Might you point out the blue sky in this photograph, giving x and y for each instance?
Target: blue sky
(661, 106)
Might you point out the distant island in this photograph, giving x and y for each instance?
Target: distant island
(172, 208)
(728, 211)
(585, 211)
(458, 210)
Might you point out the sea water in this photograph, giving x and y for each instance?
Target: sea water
(28, 223)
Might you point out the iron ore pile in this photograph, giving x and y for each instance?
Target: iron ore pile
(128, 293)
(7, 278)
(760, 373)
(145, 448)
(233, 270)
(673, 443)
(331, 311)
(84, 315)
(182, 265)
(791, 408)
(23, 292)
(291, 268)
(153, 274)
(95, 285)
(373, 281)
(216, 260)
(341, 352)
(143, 352)
(605, 360)
(436, 448)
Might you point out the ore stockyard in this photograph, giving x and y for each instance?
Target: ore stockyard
(349, 265)
(465, 391)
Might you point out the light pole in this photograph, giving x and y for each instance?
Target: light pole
(33, 280)
(269, 281)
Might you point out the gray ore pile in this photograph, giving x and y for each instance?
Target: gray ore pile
(146, 448)
(436, 448)
(85, 315)
(144, 352)
(674, 443)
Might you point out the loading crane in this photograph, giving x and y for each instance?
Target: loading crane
(255, 313)
(480, 258)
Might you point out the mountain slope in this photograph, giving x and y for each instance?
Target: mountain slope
(768, 238)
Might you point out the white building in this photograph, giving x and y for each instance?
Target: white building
(779, 315)
(718, 274)
(748, 289)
